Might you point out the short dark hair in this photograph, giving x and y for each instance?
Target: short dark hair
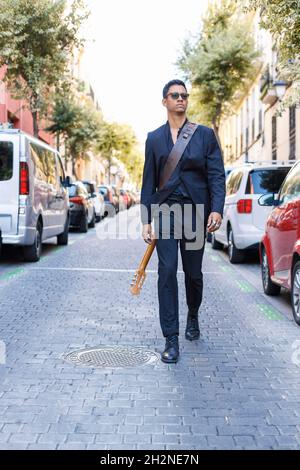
(171, 83)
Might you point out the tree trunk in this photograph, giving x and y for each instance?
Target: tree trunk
(33, 102)
(57, 141)
(35, 124)
(215, 123)
(74, 167)
(109, 167)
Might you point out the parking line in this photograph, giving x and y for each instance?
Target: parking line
(109, 270)
(244, 286)
(269, 312)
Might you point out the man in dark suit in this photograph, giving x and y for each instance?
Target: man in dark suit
(198, 180)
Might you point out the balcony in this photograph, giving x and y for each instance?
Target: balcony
(270, 90)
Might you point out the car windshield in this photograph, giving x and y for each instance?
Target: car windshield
(266, 181)
(6, 160)
(72, 190)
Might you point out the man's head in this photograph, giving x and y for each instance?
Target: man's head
(175, 97)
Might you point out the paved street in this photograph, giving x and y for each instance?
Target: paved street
(235, 388)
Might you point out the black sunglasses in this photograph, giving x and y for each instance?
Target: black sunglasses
(176, 95)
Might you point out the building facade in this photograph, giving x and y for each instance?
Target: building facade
(254, 132)
(16, 113)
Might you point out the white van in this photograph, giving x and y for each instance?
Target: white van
(34, 202)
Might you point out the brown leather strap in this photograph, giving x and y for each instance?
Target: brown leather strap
(176, 153)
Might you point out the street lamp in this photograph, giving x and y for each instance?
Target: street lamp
(280, 88)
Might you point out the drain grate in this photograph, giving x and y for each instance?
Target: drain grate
(117, 356)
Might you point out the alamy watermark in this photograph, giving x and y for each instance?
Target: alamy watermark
(171, 220)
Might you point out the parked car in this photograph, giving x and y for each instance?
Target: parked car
(280, 244)
(34, 202)
(133, 198)
(82, 210)
(97, 198)
(243, 218)
(127, 201)
(111, 202)
(120, 205)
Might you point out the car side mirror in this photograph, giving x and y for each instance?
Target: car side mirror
(269, 200)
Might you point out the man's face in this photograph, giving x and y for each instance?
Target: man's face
(175, 103)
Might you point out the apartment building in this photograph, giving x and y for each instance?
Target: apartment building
(254, 132)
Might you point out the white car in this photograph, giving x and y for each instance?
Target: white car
(98, 199)
(244, 219)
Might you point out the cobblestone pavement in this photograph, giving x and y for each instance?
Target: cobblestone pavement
(235, 388)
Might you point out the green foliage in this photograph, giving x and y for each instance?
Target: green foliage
(282, 19)
(221, 63)
(119, 141)
(36, 42)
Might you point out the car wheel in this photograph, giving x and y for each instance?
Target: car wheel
(63, 238)
(235, 255)
(269, 287)
(93, 221)
(84, 226)
(98, 218)
(295, 292)
(214, 243)
(33, 252)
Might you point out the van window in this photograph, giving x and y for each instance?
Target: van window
(45, 164)
(266, 181)
(6, 160)
(61, 172)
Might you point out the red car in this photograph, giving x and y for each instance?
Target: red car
(280, 245)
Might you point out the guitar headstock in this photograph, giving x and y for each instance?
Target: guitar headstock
(137, 282)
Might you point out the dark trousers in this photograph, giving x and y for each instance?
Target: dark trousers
(167, 251)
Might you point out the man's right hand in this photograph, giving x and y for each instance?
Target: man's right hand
(148, 234)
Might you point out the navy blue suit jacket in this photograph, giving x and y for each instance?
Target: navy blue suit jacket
(201, 171)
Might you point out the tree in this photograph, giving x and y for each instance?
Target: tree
(282, 19)
(36, 41)
(115, 140)
(84, 134)
(221, 63)
(77, 121)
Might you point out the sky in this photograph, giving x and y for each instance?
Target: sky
(131, 52)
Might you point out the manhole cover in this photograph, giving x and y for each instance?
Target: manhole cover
(117, 356)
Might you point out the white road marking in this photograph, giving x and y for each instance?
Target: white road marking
(103, 270)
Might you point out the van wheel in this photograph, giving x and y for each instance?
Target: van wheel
(214, 243)
(33, 252)
(84, 226)
(63, 238)
(269, 287)
(235, 255)
(295, 292)
(93, 221)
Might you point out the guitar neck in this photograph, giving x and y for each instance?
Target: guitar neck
(147, 255)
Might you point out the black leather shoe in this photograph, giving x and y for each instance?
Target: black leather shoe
(171, 352)
(192, 331)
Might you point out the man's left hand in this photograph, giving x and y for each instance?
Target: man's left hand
(214, 221)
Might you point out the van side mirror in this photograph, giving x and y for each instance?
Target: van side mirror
(269, 199)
